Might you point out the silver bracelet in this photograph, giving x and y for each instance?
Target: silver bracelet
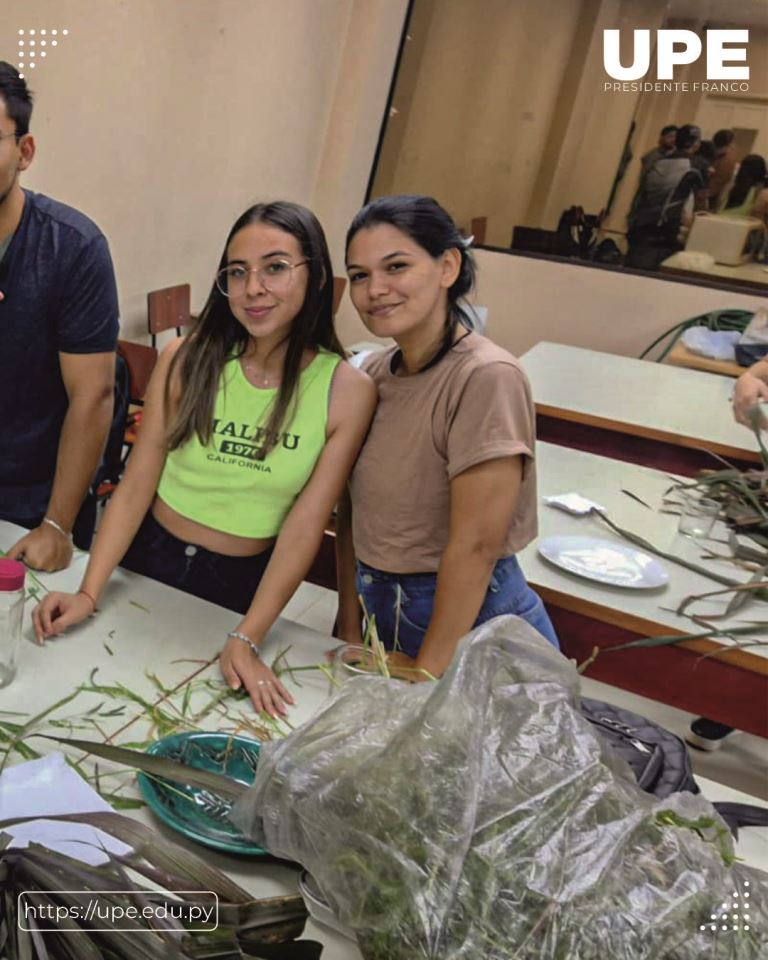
(57, 526)
(236, 635)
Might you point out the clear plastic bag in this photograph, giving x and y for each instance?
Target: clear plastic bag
(482, 817)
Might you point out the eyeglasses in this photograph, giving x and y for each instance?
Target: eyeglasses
(275, 276)
(7, 136)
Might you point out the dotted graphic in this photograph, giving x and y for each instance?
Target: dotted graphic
(29, 44)
(738, 919)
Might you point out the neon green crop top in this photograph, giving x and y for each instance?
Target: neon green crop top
(222, 485)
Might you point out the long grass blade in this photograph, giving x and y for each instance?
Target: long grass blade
(161, 853)
(38, 717)
(647, 545)
(158, 766)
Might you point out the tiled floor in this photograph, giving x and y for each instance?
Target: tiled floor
(741, 763)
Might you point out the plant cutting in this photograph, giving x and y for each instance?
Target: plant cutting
(51, 903)
(481, 816)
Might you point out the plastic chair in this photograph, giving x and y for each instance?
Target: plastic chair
(168, 309)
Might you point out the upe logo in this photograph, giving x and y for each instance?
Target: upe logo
(676, 48)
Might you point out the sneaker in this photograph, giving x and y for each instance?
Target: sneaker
(707, 734)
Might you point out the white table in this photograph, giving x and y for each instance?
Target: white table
(620, 613)
(651, 401)
(750, 274)
(165, 631)
(151, 627)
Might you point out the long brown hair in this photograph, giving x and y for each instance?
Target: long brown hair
(217, 336)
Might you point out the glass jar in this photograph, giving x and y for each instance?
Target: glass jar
(12, 574)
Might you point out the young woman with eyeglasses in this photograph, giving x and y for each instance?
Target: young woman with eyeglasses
(251, 425)
(443, 494)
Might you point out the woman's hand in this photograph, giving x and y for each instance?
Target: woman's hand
(58, 611)
(240, 667)
(749, 391)
(403, 667)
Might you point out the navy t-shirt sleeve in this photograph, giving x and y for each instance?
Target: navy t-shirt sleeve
(87, 313)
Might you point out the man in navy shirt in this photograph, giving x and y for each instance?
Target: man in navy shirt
(58, 332)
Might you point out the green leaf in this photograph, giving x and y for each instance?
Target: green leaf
(29, 725)
(741, 596)
(160, 852)
(647, 545)
(158, 766)
(669, 640)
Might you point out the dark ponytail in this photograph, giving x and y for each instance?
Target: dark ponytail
(432, 228)
(751, 173)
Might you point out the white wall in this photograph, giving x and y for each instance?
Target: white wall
(529, 300)
(164, 119)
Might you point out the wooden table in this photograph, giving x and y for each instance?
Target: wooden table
(635, 410)
(681, 356)
(731, 687)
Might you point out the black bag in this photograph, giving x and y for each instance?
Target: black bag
(111, 466)
(663, 193)
(659, 759)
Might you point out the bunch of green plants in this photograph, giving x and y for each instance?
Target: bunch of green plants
(481, 818)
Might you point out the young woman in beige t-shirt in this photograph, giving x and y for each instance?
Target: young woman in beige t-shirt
(443, 493)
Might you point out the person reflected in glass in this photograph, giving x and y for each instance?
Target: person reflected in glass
(664, 148)
(662, 209)
(443, 494)
(251, 425)
(726, 162)
(748, 196)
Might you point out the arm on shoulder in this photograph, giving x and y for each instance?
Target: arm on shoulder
(353, 401)
(352, 388)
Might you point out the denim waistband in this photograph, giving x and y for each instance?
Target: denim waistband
(382, 576)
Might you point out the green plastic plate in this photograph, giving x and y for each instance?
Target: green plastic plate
(196, 813)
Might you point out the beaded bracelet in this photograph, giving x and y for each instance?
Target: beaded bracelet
(236, 635)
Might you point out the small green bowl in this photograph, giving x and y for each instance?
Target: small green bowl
(196, 813)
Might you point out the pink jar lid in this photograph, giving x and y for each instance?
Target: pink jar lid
(12, 574)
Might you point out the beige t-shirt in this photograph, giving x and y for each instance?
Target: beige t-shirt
(473, 405)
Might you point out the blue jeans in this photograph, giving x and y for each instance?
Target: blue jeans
(414, 595)
(228, 581)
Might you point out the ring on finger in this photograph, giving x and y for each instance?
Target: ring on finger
(261, 683)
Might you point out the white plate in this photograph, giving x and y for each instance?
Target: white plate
(605, 561)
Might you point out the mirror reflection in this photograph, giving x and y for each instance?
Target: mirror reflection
(501, 110)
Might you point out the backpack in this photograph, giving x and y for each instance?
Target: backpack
(111, 466)
(659, 759)
(663, 193)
